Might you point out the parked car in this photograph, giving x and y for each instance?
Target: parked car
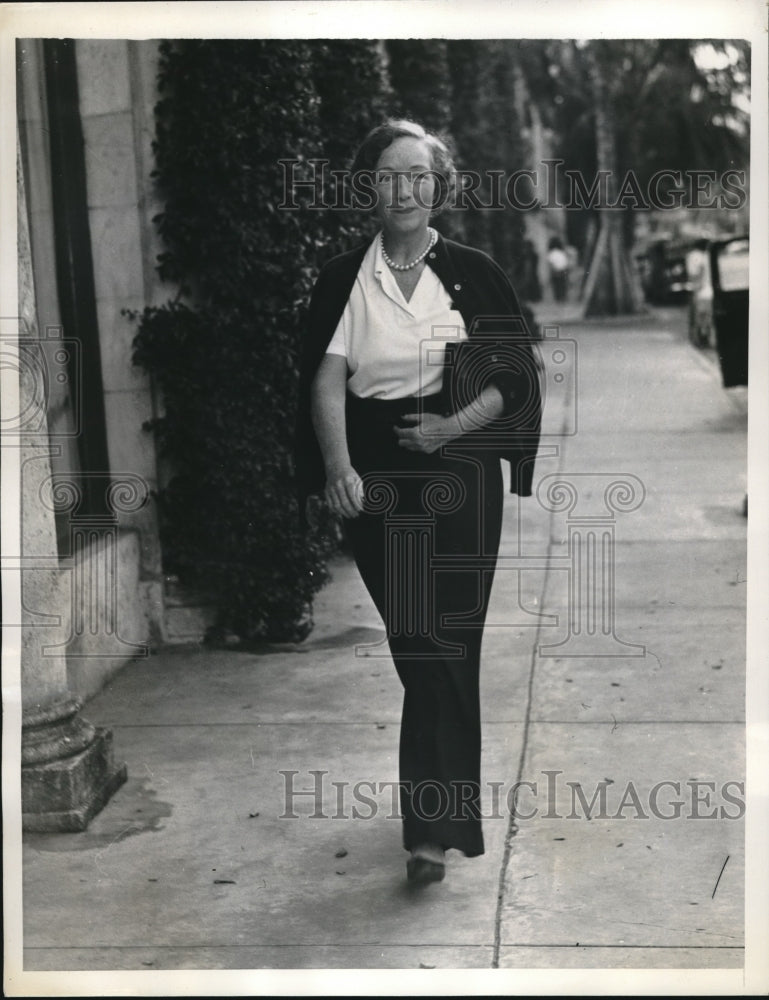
(663, 272)
(729, 276)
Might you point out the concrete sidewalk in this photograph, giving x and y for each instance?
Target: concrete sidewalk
(190, 866)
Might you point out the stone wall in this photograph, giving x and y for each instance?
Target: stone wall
(118, 572)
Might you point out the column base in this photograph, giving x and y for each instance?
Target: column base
(63, 795)
(597, 644)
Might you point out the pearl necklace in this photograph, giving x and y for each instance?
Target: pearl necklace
(418, 260)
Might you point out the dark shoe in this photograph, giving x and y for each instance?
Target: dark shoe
(422, 870)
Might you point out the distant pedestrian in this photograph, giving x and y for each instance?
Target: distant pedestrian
(701, 330)
(414, 472)
(558, 262)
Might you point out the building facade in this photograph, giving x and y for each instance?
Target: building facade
(93, 594)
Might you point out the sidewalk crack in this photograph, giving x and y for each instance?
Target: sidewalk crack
(512, 828)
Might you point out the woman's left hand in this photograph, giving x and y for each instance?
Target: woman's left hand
(430, 431)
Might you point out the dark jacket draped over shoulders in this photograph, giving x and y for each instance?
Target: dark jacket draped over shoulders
(502, 349)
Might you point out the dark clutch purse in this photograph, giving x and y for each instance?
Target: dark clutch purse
(505, 360)
(501, 353)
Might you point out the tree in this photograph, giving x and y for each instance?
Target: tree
(486, 132)
(341, 67)
(640, 106)
(419, 76)
(610, 287)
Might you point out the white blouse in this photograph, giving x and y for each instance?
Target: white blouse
(395, 348)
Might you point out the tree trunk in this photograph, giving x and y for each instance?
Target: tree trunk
(609, 289)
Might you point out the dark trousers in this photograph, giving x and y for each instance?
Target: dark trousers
(426, 547)
(559, 281)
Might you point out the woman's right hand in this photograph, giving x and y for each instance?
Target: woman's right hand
(344, 491)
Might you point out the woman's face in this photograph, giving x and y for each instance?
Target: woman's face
(405, 186)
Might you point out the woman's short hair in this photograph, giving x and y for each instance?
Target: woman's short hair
(384, 135)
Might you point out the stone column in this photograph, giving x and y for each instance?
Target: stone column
(68, 771)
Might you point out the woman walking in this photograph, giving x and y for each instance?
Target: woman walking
(407, 448)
